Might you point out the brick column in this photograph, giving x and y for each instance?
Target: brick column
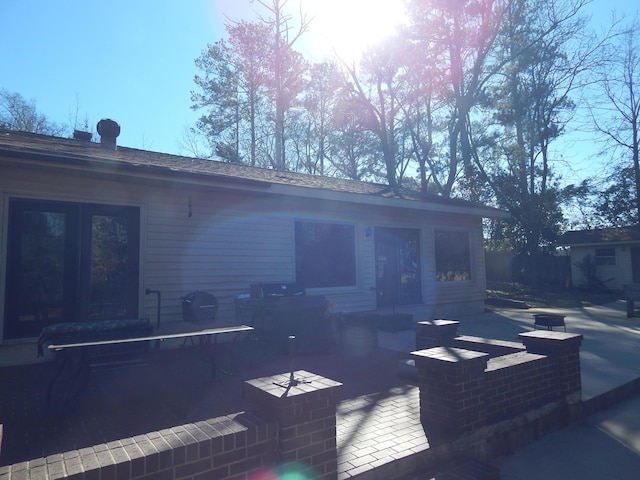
(305, 414)
(435, 333)
(564, 351)
(452, 390)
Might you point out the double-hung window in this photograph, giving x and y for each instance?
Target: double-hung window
(605, 256)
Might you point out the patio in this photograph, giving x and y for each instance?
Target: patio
(176, 389)
(378, 426)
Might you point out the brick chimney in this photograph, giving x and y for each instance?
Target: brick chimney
(108, 130)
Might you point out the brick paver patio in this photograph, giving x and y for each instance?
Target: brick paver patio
(378, 417)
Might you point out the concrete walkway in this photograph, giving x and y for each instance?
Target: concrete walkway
(609, 355)
(603, 446)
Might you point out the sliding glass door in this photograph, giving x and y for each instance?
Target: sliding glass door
(69, 262)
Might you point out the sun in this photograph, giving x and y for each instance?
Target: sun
(347, 27)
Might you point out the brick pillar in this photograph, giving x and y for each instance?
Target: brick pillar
(564, 351)
(435, 333)
(305, 415)
(452, 390)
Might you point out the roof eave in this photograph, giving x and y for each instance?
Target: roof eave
(131, 169)
(155, 172)
(601, 243)
(380, 201)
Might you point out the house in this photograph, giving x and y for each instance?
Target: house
(87, 229)
(613, 252)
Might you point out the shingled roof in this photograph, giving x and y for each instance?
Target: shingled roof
(617, 235)
(56, 150)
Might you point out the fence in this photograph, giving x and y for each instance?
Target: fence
(509, 267)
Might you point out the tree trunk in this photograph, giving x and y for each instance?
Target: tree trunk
(636, 166)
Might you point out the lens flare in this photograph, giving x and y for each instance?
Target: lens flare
(287, 471)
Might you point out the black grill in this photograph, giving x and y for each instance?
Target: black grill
(283, 289)
(199, 307)
(284, 309)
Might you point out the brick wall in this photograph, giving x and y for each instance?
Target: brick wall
(495, 348)
(470, 401)
(517, 382)
(452, 391)
(435, 333)
(465, 389)
(221, 448)
(303, 406)
(564, 351)
(291, 423)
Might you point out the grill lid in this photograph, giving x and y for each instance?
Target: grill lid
(199, 307)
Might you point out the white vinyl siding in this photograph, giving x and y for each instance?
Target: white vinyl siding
(235, 238)
(614, 275)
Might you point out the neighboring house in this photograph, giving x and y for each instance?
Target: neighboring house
(86, 228)
(614, 252)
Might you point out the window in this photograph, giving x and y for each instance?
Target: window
(69, 262)
(605, 256)
(325, 254)
(453, 257)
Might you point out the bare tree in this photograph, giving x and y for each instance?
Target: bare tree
(17, 113)
(316, 118)
(287, 67)
(377, 91)
(461, 35)
(618, 116)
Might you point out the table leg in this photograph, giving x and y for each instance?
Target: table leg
(69, 379)
(212, 354)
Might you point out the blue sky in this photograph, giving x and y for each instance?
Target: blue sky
(133, 60)
(130, 60)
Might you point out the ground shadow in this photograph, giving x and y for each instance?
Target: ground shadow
(173, 389)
